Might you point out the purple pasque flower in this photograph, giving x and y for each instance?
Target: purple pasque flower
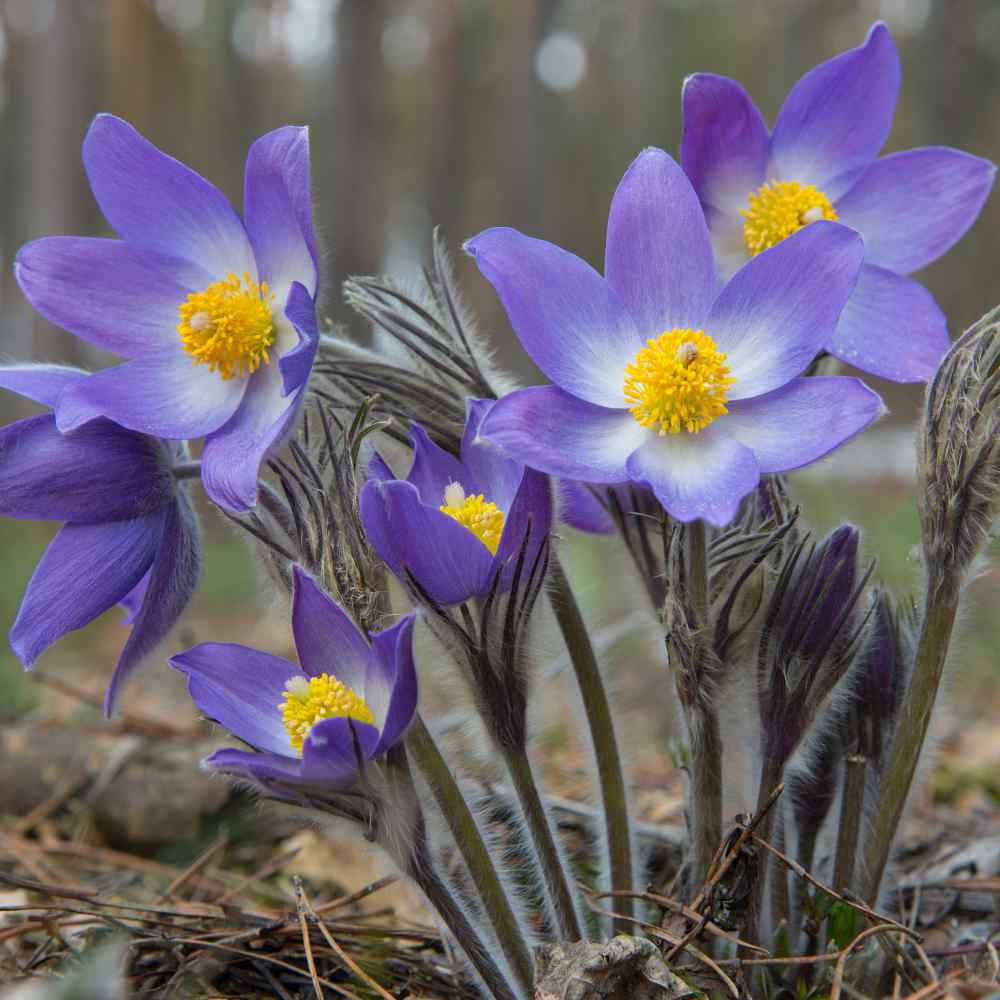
(216, 314)
(820, 162)
(130, 535)
(661, 377)
(347, 702)
(455, 522)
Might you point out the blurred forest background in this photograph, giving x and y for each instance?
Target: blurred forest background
(463, 114)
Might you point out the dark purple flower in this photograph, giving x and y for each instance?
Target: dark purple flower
(216, 314)
(661, 377)
(347, 702)
(130, 536)
(594, 508)
(453, 523)
(820, 162)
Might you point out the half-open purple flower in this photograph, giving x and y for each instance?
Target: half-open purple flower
(218, 317)
(454, 523)
(758, 187)
(661, 378)
(130, 535)
(318, 723)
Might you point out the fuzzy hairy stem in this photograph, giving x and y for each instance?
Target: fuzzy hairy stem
(940, 608)
(770, 779)
(851, 807)
(610, 771)
(476, 854)
(543, 839)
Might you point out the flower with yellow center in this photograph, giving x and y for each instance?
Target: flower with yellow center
(780, 208)
(482, 517)
(323, 697)
(229, 326)
(678, 382)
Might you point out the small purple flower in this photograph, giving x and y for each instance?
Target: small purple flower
(318, 723)
(820, 162)
(453, 523)
(661, 377)
(218, 317)
(130, 536)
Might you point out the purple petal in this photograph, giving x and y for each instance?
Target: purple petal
(242, 689)
(911, 207)
(167, 396)
(891, 327)
(260, 767)
(567, 317)
(278, 209)
(98, 473)
(326, 639)
(41, 383)
(296, 364)
(581, 508)
(782, 306)
(118, 297)
(526, 526)
(170, 585)
(391, 686)
(335, 748)
(696, 476)
(378, 468)
(434, 468)
(87, 569)
(802, 421)
(132, 602)
(550, 430)
(725, 143)
(658, 257)
(231, 461)
(447, 560)
(496, 473)
(838, 116)
(157, 203)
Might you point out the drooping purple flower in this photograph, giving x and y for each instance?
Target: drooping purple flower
(455, 522)
(216, 315)
(347, 702)
(130, 535)
(820, 162)
(661, 377)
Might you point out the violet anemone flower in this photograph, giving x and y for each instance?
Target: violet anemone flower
(455, 522)
(130, 536)
(661, 378)
(346, 703)
(218, 317)
(757, 187)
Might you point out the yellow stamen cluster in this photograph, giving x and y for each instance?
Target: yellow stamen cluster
(780, 208)
(678, 382)
(323, 697)
(228, 326)
(482, 517)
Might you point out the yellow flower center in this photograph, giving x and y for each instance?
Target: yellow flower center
(228, 326)
(482, 517)
(324, 697)
(780, 208)
(678, 381)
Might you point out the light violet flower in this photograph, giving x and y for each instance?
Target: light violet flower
(758, 187)
(661, 378)
(216, 314)
(318, 723)
(130, 536)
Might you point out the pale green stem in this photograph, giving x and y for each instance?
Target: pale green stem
(851, 806)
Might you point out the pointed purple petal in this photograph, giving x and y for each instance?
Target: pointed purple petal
(434, 468)
(334, 750)
(725, 143)
(170, 585)
(658, 257)
(242, 689)
(567, 317)
(296, 364)
(497, 474)
(529, 518)
(157, 203)
(802, 421)
(892, 327)
(260, 767)
(41, 383)
(378, 468)
(782, 306)
(447, 560)
(911, 207)
(87, 569)
(391, 685)
(550, 430)
(696, 476)
(131, 603)
(580, 508)
(838, 116)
